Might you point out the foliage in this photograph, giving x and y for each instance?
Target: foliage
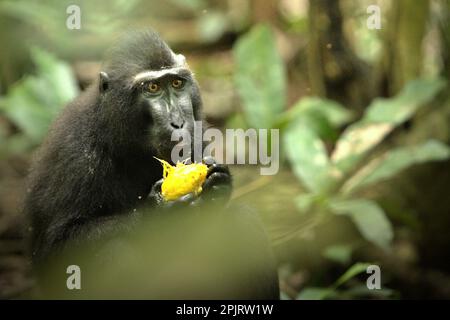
(315, 293)
(334, 181)
(335, 291)
(48, 13)
(310, 122)
(261, 84)
(33, 102)
(260, 79)
(337, 178)
(212, 26)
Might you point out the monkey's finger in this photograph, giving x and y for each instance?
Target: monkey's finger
(217, 178)
(209, 161)
(181, 202)
(197, 202)
(218, 168)
(188, 198)
(218, 193)
(157, 186)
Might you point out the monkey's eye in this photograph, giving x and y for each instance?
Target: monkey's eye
(177, 83)
(153, 87)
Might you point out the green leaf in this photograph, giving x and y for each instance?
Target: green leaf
(236, 121)
(415, 94)
(396, 160)
(260, 78)
(314, 293)
(26, 110)
(284, 296)
(356, 141)
(212, 26)
(305, 201)
(308, 157)
(33, 102)
(15, 144)
(338, 253)
(368, 217)
(317, 293)
(194, 5)
(322, 115)
(319, 124)
(359, 291)
(334, 112)
(353, 271)
(57, 74)
(381, 117)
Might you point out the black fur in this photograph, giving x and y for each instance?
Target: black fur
(144, 50)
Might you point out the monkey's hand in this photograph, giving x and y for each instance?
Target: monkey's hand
(217, 188)
(218, 184)
(155, 197)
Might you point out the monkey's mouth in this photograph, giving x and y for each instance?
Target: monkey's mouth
(170, 144)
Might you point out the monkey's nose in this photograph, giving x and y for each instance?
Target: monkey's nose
(177, 124)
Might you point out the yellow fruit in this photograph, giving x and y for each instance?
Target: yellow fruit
(182, 179)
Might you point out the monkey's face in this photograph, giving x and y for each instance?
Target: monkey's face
(166, 97)
(151, 93)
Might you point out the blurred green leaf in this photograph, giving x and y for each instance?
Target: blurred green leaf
(191, 4)
(33, 102)
(338, 253)
(212, 26)
(25, 109)
(381, 117)
(396, 160)
(16, 144)
(33, 13)
(319, 123)
(260, 78)
(317, 293)
(57, 74)
(305, 201)
(415, 94)
(284, 296)
(356, 142)
(236, 121)
(359, 291)
(96, 18)
(321, 115)
(368, 217)
(353, 271)
(334, 112)
(308, 157)
(314, 293)
(368, 44)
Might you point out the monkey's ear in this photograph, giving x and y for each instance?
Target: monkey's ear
(103, 83)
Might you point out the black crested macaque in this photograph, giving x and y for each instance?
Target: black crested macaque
(94, 199)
